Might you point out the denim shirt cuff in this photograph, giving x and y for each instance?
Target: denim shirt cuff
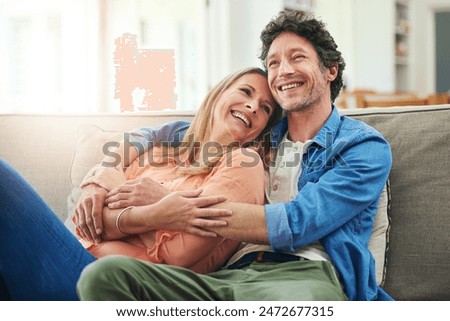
(280, 236)
(137, 139)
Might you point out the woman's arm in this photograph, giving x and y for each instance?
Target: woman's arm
(90, 205)
(178, 211)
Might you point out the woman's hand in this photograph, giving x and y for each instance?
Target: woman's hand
(88, 217)
(136, 192)
(187, 211)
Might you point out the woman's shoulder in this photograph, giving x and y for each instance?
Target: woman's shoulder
(241, 157)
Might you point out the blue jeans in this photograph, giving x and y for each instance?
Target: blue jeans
(40, 259)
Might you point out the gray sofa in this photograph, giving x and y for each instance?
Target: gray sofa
(54, 151)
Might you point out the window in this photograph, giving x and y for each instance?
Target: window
(58, 55)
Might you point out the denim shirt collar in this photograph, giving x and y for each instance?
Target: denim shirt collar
(330, 126)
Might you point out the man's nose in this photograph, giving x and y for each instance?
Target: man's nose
(285, 68)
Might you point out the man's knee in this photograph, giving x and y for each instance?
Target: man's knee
(103, 279)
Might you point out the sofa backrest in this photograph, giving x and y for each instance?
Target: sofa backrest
(418, 260)
(41, 147)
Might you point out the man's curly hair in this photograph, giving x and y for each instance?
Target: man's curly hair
(312, 30)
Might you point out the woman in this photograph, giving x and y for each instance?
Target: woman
(41, 260)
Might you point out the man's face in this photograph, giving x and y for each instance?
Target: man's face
(296, 78)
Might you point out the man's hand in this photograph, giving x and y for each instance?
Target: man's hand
(187, 211)
(136, 192)
(88, 217)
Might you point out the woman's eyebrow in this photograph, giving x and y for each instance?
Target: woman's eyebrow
(267, 102)
(251, 87)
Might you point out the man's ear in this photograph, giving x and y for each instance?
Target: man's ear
(332, 73)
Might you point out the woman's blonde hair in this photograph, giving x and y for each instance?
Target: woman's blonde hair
(200, 129)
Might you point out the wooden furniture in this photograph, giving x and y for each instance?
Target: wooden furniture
(363, 98)
(392, 100)
(438, 99)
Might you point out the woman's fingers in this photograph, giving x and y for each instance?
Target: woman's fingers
(200, 232)
(190, 194)
(117, 197)
(137, 192)
(207, 223)
(204, 201)
(124, 188)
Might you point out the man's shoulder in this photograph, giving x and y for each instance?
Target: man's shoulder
(355, 127)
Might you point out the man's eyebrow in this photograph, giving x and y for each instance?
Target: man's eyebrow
(290, 51)
(270, 56)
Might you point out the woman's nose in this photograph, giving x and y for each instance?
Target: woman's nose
(250, 106)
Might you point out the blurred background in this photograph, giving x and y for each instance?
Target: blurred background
(57, 56)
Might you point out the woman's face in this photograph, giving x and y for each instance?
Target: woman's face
(243, 110)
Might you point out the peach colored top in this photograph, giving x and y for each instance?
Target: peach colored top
(239, 176)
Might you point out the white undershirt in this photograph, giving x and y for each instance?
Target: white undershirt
(281, 187)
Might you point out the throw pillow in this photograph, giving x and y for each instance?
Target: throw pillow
(379, 241)
(88, 153)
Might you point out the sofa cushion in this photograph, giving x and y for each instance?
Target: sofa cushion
(88, 153)
(379, 241)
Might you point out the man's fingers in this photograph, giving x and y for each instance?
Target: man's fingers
(82, 222)
(87, 225)
(80, 233)
(97, 218)
(78, 230)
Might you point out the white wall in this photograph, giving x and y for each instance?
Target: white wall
(373, 43)
(234, 29)
(247, 24)
(338, 17)
(364, 32)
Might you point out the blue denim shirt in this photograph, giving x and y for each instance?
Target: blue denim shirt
(343, 174)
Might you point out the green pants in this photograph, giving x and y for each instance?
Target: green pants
(121, 278)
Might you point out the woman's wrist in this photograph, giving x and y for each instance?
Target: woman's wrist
(136, 219)
(119, 226)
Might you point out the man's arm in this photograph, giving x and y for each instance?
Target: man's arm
(246, 224)
(144, 138)
(320, 207)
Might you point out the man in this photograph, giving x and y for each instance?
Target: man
(323, 192)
